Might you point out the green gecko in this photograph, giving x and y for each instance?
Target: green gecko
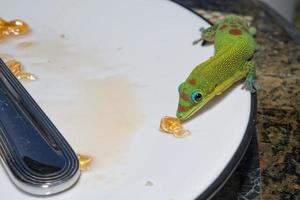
(234, 46)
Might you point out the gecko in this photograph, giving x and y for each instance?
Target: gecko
(235, 45)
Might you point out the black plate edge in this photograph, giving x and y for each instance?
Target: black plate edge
(241, 150)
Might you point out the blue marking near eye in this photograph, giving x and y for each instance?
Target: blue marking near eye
(196, 96)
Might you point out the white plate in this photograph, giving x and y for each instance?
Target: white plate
(106, 85)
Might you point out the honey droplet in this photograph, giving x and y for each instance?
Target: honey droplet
(84, 162)
(17, 69)
(12, 28)
(173, 126)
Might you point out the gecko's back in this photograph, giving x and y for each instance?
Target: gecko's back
(234, 45)
(234, 31)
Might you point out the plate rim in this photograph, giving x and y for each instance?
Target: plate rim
(223, 177)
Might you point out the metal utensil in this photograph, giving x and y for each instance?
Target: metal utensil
(35, 155)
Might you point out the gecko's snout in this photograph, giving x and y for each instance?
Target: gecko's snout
(179, 115)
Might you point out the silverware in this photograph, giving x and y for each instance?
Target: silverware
(34, 154)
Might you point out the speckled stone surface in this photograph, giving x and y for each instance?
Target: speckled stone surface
(278, 112)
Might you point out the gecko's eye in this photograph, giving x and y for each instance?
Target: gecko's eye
(196, 96)
(179, 87)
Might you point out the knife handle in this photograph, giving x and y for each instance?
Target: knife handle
(35, 155)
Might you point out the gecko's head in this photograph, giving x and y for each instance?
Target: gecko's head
(192, 97)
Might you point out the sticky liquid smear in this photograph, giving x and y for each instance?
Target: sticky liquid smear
(98, 117)
(24, 45)
(172, 125)
(12, 28)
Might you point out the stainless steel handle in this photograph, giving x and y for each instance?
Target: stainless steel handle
(35, 155)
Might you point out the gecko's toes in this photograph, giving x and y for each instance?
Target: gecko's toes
(201, 29)
(197, 41)
(256, 86)
(251, 85)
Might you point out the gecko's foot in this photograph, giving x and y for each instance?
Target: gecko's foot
(251, 84)
(201, 29)
(252, 30)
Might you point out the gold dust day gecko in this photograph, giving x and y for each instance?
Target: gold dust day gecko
(234, 46)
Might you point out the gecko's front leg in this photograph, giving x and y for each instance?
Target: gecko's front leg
(207, 35)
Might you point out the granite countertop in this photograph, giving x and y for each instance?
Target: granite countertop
(278, 102)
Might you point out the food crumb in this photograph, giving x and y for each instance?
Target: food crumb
(172, 125)
(149, 183)
(84, 162)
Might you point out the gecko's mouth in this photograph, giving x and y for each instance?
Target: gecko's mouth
(183, 113)
(188, 113)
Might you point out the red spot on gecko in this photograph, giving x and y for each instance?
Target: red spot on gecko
(223, 27)
(184, 96)
(235, 31)
(182, 108)
(192, 82)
